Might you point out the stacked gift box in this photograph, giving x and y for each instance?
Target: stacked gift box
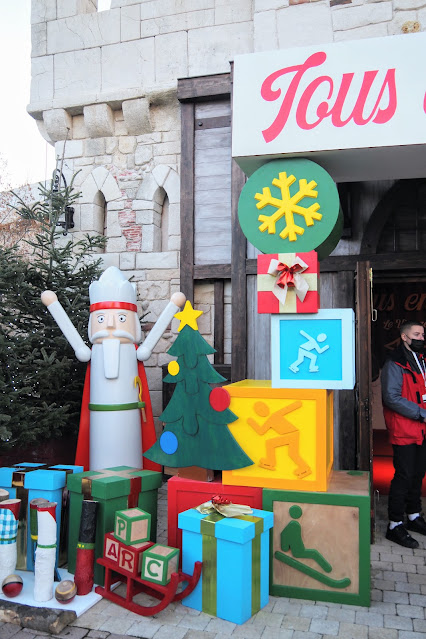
(27, 481)
(319, 536)
(114, 489)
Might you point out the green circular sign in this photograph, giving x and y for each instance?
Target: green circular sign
(290, 206)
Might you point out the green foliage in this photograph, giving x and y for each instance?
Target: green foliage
(40, 379)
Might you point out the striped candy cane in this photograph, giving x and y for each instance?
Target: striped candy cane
(46, 552)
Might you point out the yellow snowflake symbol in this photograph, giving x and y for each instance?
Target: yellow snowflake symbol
(287, 206)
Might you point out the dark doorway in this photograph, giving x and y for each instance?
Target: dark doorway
(397, 298)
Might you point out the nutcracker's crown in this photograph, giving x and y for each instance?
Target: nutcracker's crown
(112, 286)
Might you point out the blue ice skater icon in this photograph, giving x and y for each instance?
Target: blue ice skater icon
(313, 351)
(310, 350)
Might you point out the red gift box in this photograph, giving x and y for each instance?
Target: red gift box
(288, 283)
(189, 493)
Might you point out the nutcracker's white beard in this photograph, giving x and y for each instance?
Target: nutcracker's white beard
(111, 353)
(111, 350)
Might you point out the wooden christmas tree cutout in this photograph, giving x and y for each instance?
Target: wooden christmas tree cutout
(196, 417)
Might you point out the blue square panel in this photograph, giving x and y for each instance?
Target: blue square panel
(313, 351)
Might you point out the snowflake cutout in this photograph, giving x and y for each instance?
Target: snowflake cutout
(287, 206)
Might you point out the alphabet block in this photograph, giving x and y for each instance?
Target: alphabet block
(314, 351)
(321, 541)
(132, 526)
(158, 564)
(127, 558)
(111, 548)
(287, 433)
(130, 557)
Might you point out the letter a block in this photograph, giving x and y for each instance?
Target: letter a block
(127, 558)
(158, 564)
(321, 541)
(132, 526)
(288, 433)
(111, 548)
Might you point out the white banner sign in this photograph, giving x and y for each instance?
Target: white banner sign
(320, 100)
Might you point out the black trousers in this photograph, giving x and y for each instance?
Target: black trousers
(406, 486)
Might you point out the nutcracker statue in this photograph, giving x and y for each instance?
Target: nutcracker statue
(116, 422)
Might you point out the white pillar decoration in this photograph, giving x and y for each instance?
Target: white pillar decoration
(9, 519)
(46, 552)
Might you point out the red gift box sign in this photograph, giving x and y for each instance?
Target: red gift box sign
(288, 283)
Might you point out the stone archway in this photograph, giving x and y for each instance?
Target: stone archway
(98, 189)
(163, 182)
(399, 216)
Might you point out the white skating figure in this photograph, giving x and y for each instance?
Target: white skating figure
(306, 350)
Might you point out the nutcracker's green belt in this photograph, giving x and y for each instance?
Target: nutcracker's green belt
(105, 407)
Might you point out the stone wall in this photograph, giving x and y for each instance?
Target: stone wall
(106, 83)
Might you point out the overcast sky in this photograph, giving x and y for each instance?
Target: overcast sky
(29, 158)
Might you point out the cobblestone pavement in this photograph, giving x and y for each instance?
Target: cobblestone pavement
(397, 610)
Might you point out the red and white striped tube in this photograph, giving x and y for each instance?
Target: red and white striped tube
(9, 519)
(44, 568)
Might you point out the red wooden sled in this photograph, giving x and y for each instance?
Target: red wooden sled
(136, 585)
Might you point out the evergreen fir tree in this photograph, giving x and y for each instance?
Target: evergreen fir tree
(41, 381)
(196, 432)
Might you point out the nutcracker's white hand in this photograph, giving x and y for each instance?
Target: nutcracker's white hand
(82, 351)
(145, 350)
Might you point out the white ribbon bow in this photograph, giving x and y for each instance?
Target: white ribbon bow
(301, 286)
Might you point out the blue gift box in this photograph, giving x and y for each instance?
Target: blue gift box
(234, 582)
(29, 480)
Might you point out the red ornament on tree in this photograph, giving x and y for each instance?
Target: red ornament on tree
(219, 399)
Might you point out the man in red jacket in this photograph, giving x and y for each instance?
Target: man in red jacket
(404, 406)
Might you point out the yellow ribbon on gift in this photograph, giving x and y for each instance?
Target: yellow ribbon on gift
(226, 510)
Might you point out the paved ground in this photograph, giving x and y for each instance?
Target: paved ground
(397, 611)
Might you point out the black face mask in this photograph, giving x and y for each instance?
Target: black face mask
(417, 345)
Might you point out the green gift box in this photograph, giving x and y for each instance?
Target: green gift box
(115, 489)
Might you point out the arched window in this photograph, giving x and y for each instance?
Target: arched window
(165, 225)
(99, 188)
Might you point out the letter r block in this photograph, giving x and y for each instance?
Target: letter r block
(130, 557)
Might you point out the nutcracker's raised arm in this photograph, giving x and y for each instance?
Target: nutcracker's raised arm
(144, 351)
(50, 300)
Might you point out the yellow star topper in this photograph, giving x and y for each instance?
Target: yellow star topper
(188, 317)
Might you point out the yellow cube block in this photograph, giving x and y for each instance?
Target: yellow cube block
(288, 433)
